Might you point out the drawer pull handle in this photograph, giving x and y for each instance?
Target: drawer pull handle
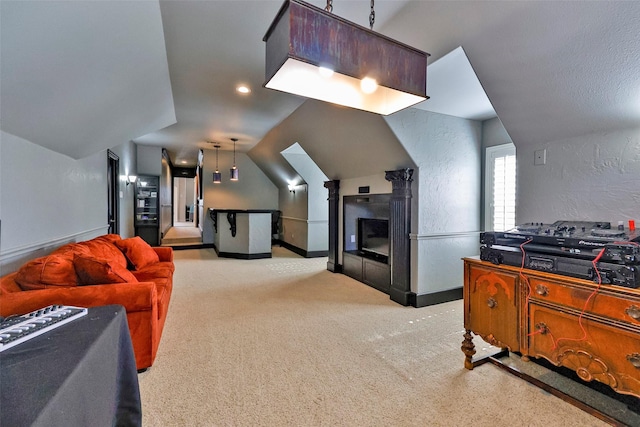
(491, 302)
(634, 359)
(541, 328)
(542, 290)
(633, 311)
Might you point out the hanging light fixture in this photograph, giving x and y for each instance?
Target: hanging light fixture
(217, 176)
(312, 53)
(234, 169)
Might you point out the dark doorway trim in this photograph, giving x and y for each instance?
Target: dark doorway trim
(113, 191)
(334, 199)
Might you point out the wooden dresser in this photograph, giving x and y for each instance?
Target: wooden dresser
(592, 330)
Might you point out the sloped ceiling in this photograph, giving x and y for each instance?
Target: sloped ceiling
(552, 69)
(81, 77)
(78, 76)
(454, 89)
(341, 149)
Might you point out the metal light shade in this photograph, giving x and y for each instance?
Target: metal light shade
(234, 173)
(234, 170)
(217, 176)
(313, 53)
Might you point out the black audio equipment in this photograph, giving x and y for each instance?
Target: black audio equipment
(566, 234)
(18, 329)
(627, 253)
(606, 272)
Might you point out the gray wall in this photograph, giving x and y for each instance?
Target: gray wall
(314, 221)
(149, 160)
(494, 133)
(595, 177)
(446, 219)
(294, 207)
(47, 199)
(253, 190)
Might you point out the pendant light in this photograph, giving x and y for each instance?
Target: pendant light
(217, 176)
(313, 53)
(234, 169)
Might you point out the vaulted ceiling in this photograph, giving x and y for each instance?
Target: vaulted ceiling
(79, 77)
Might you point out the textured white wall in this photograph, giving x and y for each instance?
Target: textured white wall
(595, 177)
(447, 151)
(446, 220)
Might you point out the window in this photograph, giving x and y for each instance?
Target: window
(500, 188)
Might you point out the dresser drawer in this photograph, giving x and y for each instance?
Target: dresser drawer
(601, 352)
(621, 306)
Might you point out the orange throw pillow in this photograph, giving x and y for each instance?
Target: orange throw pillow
(96, 271)
(138, 252)
(48, 271)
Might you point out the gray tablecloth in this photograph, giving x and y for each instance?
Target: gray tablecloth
(80, 374)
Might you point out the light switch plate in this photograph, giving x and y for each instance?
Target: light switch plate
(540, 157)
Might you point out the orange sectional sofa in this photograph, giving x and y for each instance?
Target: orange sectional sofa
(101, 271)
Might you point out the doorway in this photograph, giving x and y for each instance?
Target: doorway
(184, 202)
(113, 191)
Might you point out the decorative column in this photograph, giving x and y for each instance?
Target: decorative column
(399, 229)
(334, 198)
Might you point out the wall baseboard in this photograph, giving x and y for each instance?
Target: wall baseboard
(194, 246)
(300, 251)
(244, 256)
(334, 267)
(236, 255)
(424, 300)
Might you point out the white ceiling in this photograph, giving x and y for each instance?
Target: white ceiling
(72, 79)
(78, 77)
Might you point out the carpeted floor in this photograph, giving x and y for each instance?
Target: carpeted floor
(284, 342)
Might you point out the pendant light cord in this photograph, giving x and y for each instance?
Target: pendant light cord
(372, 16)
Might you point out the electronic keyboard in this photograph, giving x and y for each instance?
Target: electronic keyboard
(15, 330)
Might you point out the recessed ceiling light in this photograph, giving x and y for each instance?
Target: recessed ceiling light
(184, 162)
(243, 89)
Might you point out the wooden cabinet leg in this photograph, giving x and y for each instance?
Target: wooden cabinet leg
(468, 348)
(525, 358)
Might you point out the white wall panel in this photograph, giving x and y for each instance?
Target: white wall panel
(47, 196)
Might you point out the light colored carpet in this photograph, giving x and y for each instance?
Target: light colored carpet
(284, 342)
(184, 233)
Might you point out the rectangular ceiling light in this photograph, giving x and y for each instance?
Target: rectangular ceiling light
(313, 53)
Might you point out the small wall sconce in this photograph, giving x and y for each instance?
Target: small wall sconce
(131, 179)
(292, 188)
